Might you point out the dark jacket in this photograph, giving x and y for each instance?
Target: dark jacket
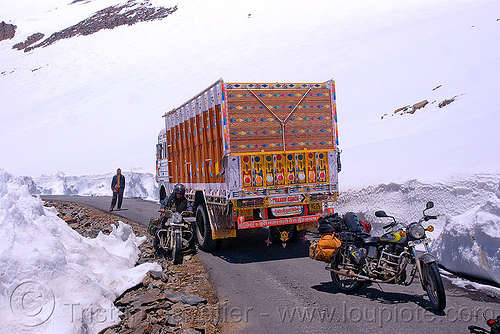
(175, 204)
(115, 182)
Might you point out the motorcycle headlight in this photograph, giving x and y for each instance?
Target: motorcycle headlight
(177, 218)
(417, 231)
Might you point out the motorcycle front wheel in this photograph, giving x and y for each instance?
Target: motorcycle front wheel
(176, 249)
(344, 283)
(433, 285)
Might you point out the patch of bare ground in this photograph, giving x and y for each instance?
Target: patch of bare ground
(178, 299)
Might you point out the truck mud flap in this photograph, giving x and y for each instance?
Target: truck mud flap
(219, 224)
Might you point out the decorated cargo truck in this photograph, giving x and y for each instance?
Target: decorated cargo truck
(252, 155)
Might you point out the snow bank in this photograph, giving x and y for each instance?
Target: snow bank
(470, 242)
(53, 280)
(138, 185)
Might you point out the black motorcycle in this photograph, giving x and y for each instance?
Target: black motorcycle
(391, 258)
(174, 235)
(493, 323)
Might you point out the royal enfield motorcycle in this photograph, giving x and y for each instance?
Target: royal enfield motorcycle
(494, 325)
(174, 235)
(391, 258)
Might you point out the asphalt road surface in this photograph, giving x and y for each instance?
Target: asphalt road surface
(271, 289)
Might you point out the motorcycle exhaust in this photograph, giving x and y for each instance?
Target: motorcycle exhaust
(351, 274)
(344, 272)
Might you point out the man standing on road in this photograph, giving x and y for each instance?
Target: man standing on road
(118, 187)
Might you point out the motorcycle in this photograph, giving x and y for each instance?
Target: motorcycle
(391, 258)
(493, 323)
(175, 235)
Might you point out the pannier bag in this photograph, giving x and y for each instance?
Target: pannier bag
(325, 248)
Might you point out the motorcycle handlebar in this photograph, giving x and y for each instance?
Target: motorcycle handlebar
(430, 217)
(387, 226)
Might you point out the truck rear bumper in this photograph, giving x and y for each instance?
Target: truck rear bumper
(242, 224)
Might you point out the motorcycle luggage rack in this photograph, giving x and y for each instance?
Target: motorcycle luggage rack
(348, 237)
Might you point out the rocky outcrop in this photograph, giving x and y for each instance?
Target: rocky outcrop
(444, 103)
(32, 39)
(418, 105)
(108, 18)
(7, 31)
(409, 109)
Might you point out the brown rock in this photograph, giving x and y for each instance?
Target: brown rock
(7, 31)
(160, 306)
(401, 110)
(174, 320)
(143, 328)
(446, 102)
(186, 298)
(127, 298)
(191, 331)
(136, 319)
(32, 39)
(418, 105)
(69, 220)
(155, 274)
(146, 280)
(150, 297)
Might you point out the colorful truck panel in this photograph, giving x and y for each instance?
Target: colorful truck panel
(263, 153)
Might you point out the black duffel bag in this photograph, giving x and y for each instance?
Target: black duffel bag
(352, 223)
(329, 223)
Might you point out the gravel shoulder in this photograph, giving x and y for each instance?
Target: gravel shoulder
(179, 299)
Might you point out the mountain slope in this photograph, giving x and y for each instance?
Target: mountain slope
(100, 97)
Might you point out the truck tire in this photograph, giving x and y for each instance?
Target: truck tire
(298, 235)
(203, 230)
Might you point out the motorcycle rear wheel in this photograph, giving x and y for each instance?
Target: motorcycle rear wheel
(344, 283)
(433, 285)
(176, 249)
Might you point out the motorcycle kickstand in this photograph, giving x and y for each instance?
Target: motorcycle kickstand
(380, 287)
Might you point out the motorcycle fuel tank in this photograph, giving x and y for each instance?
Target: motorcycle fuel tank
(393, 237)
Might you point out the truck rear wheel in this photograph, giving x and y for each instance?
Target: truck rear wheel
(203, 230)
(298, 235)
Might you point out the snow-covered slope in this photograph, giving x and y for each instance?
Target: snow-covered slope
(53, 280)
(470, 243)
(88, 104)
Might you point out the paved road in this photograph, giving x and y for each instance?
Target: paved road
(271, 289)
